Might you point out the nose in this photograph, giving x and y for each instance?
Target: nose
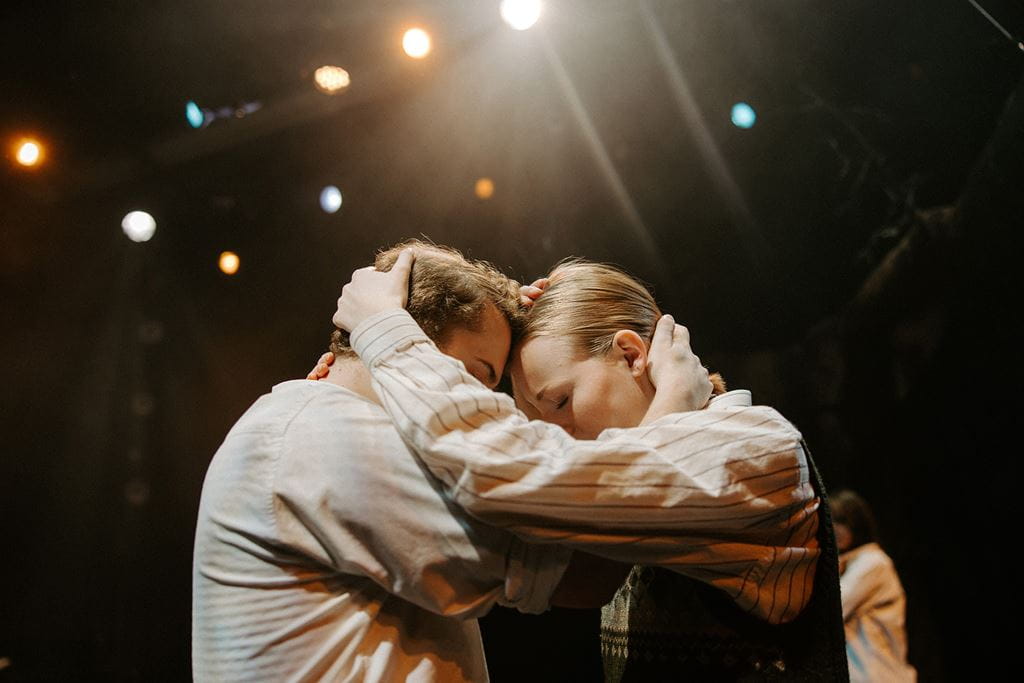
(566, 423)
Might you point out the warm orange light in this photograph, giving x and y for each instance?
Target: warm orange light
(331, 79)
(29, 152)
(229, 262)
(484, 188)
(416, 43)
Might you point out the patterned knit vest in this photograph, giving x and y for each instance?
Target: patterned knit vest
(663, 626)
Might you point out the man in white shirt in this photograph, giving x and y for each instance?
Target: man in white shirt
(325, 551)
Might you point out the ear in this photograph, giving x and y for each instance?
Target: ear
(629, 346)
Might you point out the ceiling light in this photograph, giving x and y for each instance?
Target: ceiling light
(28, 152)
(229, 262)
(138, 225)
(330, 199)
(520, 14)
(743, 115)
(331, 79)
(416, 43)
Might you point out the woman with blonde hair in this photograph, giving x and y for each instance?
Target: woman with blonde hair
(662, 625)
(625, 458)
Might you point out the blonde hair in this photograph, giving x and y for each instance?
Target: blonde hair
(447, 290)
(589, 302)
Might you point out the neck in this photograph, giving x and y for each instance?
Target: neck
(353, 375)
(647, 389)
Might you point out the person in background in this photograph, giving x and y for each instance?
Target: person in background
(874, 605)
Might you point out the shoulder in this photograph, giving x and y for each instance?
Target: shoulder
(868, 557)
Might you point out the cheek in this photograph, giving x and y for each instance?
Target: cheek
(594, 406)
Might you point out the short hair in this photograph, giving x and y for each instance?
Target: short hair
(852, 511)
(446, 290)
(589, 302)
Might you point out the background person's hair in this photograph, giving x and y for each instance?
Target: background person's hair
(852, 511)
(589, 302)
(446, 290)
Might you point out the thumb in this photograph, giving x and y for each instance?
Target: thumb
(403, 264)
(663, 332)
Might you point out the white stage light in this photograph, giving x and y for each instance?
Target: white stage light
(416, 43)
(331, 79)
(29, 153)
(138, 225)
(330, 199)
(520, 14)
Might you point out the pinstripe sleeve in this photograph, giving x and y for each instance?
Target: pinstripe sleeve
(722, 496)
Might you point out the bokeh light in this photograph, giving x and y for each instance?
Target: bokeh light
(416, 43)
(28, 152)
(229, 262)
(484, 188)
(331, 79)
(330, 199)
(520, 14)
(194, 115)
(743, 115)
(138, 225)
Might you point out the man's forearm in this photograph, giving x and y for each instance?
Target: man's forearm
(721, 496)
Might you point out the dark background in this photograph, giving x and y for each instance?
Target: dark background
(853, 259)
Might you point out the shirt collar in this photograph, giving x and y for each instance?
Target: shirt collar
(735, 398)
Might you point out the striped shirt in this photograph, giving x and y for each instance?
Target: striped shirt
(721, 495)
(325, 551)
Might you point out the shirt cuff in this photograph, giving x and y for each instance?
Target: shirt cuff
(387, 331)
(533, 573)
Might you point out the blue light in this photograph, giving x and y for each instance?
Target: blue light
(330, 199)
(743, 115)
(194, 114)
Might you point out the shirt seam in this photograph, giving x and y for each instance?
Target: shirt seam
(276, 462)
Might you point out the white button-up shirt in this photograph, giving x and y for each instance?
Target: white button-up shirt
(325, 551)
(874, 608)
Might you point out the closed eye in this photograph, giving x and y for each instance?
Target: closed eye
(562, 403)
(485, 378)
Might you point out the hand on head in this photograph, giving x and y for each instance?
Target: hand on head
(530, 293)
(371, 292)
(681, 382)
(322, 367)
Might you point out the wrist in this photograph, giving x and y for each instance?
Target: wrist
(666, 402)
